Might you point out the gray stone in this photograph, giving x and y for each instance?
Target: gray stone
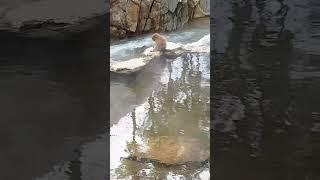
(172, 5)
(134, 17)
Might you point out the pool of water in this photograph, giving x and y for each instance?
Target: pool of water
(266, 77)
(52, 115)
(167, 98)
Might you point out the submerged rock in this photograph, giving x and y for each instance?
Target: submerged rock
(170, 150)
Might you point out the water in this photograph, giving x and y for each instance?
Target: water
(52, 115)
(266, 81)
(167, 98)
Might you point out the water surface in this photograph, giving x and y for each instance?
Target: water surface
(52, 112)
(167, 98)
(266, 86)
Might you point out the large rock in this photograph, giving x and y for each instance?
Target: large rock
(173, 51)
(52, 18)
(135, 17)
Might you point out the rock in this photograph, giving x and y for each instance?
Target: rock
(53, 18)
(199, 8)
(133, 10)
(118, 32)
(172, 5)
(203, 8)
(203, 45)
(129, 66)
(173, 50)
(136, 64)
(136, 17)
(170, 150)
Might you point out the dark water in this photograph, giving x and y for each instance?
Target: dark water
(266, 108)
(52, 107)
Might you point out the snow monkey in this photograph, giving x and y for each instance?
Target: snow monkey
(161, 42)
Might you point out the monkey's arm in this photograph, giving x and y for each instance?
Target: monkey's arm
(155, 47)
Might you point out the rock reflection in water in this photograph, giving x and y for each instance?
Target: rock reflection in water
(178, 109)
(51, 108)
(265, 80)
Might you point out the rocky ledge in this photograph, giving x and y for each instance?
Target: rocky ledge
(52, 18)
(132, 17)
(173, 51)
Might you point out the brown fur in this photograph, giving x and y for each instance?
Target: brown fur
(161, 42)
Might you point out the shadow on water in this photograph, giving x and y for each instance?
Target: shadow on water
(51, 106)
(265, 107)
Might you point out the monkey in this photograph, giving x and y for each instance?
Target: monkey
(160, 42)
(161, 45)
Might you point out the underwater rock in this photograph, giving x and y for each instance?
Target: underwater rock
(170, 150)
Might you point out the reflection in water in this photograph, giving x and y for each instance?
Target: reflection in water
(52, 113)
(174, 116)
(265, 112)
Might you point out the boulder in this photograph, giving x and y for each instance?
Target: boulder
(173, 51)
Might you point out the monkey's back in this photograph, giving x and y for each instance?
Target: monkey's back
(163, 43)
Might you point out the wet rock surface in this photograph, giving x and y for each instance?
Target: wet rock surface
(266, 82)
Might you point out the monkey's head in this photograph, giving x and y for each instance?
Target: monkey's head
(155, 36)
